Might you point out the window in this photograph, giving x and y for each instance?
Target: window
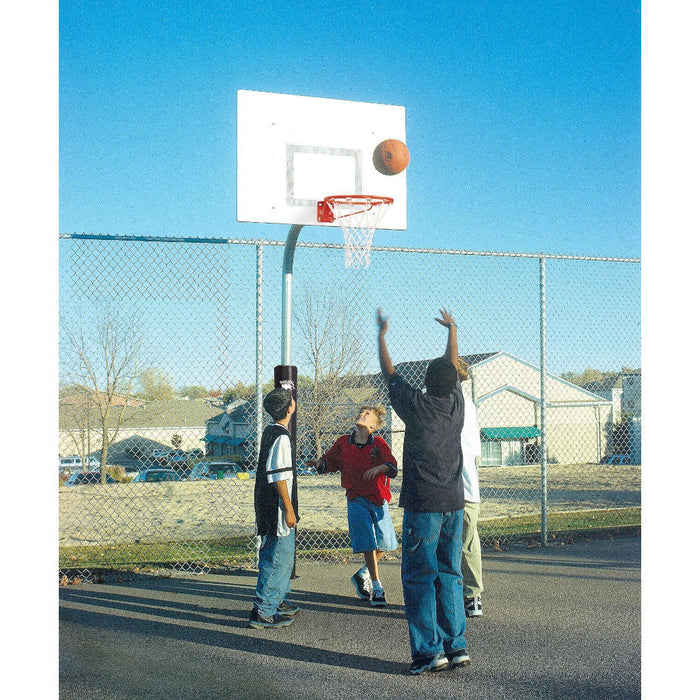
(491, 453)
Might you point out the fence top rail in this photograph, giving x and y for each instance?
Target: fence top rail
(304, 244)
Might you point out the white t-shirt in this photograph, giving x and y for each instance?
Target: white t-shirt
(279, 467)
(471, 448)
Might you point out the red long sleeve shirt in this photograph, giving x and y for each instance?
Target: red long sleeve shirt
(353, 460)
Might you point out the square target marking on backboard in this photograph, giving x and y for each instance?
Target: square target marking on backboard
(293, 151)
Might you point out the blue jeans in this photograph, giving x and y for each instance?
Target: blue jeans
(432, 582)
(275, 564)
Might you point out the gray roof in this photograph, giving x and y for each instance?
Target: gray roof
(414, 371)
(193, 413)
(606, 384)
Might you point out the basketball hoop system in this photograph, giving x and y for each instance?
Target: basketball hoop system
(358, 216)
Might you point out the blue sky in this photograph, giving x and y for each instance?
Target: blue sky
(523, 118)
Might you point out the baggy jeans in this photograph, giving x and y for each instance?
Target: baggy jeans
(432, 582)
(275, 564)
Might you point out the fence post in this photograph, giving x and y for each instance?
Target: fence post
(543, 402)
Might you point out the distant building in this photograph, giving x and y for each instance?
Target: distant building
(506, 392)
(142, 428)
(230, 432)
(624, 390)
(632, 393)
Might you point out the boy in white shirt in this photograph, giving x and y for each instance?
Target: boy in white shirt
(276, 515)
(471, 544)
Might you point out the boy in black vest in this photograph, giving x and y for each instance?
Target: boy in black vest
(276, 515)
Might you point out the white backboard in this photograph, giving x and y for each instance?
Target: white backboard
(293, 151)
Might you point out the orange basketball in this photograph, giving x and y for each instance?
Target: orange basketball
(391, 157)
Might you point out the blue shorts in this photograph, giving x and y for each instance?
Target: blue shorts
(370, 526)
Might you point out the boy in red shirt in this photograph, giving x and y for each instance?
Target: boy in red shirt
(366, 465)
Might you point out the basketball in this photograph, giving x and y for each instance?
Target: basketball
(391, 157)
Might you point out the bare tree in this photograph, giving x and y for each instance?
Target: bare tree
(75, 419)
(103, 355)
(332, 347)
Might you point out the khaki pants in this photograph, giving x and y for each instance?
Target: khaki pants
(471, 553)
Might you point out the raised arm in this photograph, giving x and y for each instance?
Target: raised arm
(385, 363)
(448, 321)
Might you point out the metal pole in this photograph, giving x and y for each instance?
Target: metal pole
(543, 401)
(287, 268)
(285, 373)
(258, 347)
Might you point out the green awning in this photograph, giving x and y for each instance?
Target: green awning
(222, 439)
(514, 433)
(234, 441)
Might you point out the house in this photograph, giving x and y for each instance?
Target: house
(81, 398)
(142, 428)
(632, 393)
(609, 388)
(506, 392)
(230, 432)
(624, 390)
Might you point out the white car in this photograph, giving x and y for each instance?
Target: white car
(76, 463)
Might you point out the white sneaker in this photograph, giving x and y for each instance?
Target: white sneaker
(472, 607)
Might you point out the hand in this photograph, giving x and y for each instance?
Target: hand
(447, 318)
(382, 322)
(373, 473)
(290, 518)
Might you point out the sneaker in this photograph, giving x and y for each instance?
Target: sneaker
(363, 585)
(472, 607)
(287, 608)
(459, 658)
(378, 599)
(277, 620)
(438, 662)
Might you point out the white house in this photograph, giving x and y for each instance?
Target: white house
(506, 391)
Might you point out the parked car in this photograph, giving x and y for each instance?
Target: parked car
(91, 477)
(200, 470)
(168, 458)
(156, 475)
(75, 463)
(178, 457)
(226, 470)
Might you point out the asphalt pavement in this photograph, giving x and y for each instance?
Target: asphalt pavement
(561, 621)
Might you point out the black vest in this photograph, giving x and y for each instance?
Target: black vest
(266, 496)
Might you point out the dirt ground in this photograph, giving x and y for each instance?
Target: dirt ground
(115, 513)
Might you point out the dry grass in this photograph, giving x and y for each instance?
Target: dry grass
(201, 510)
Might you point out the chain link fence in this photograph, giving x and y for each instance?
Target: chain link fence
(167, 347)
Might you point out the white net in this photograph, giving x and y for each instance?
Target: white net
(358, 216)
